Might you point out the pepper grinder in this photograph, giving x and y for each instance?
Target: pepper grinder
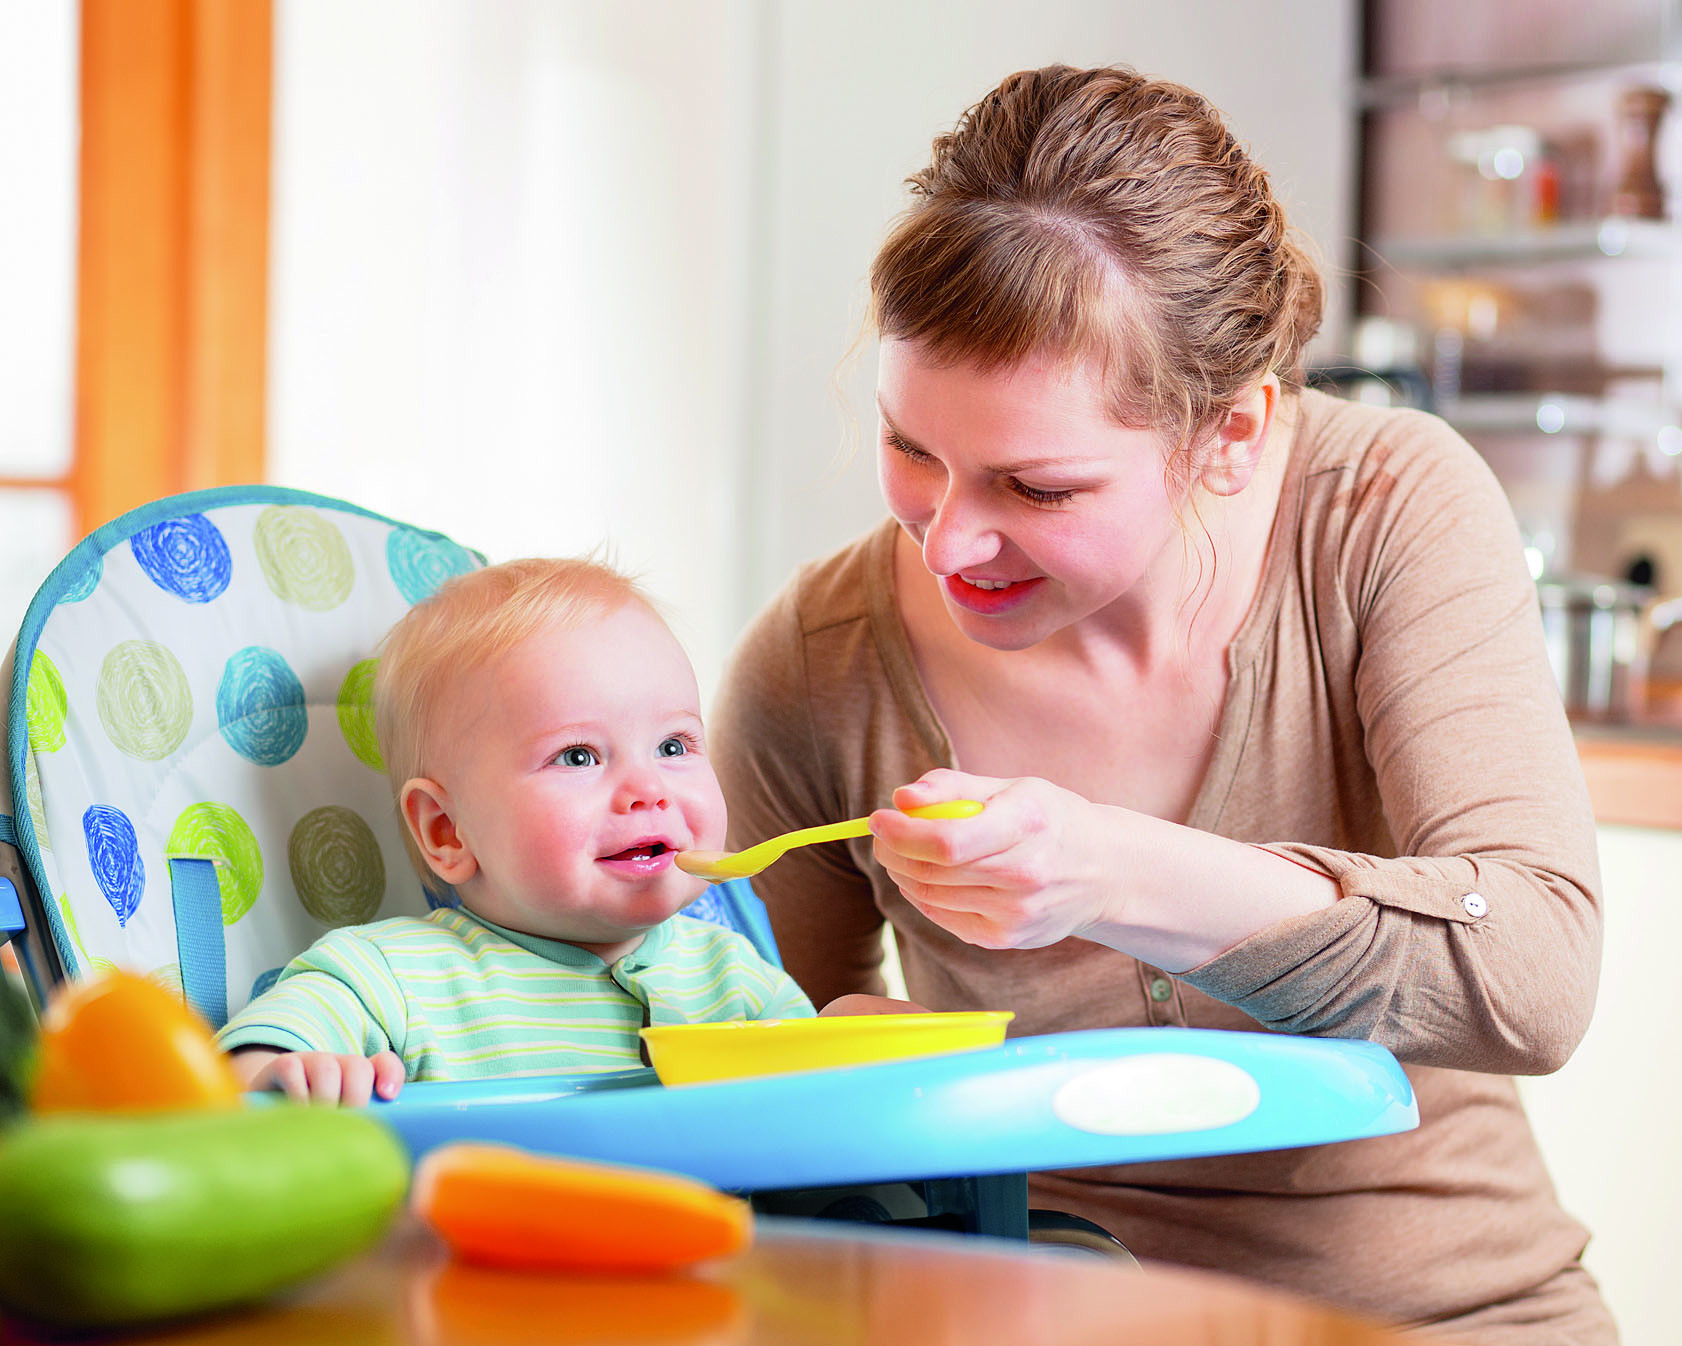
(1638, 192)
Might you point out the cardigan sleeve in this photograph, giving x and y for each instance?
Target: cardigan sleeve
(1476, 942)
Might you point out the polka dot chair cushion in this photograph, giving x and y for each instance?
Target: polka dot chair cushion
(197, 739)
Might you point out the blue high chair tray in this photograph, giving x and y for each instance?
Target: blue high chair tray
(1063, 1100)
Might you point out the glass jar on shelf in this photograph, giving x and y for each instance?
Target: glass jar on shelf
(1509, 180)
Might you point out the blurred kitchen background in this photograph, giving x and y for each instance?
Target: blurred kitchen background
(1520, 273)
(549, 275)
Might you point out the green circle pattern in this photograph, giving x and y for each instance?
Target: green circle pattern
(37, 808)
(45, 705)
(216, 832)
(356, 714)
(304, 557)
(336, 865)
(97, 966)
(143, 699)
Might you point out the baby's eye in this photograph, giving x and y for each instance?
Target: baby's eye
(577, 755)
(672, 747)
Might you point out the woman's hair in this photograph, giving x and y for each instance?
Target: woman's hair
(1100, 214)
(466, 623)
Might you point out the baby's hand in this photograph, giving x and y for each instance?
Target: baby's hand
(859, 1003)
(322, 1077)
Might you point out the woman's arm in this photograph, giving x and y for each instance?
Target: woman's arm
(1474, 940)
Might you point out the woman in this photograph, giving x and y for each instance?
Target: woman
(1251, 679)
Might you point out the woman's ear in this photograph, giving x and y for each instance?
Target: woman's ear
(427, 812)
(1236, 449)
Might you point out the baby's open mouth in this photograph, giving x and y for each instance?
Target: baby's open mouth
(647, 851)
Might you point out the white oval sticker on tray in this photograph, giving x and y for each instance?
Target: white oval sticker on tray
(1156, 1093)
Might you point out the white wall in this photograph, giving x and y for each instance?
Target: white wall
(511, 274)
(1607, 1121)
(553, 272)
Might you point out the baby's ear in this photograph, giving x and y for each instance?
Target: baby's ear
(428, 815)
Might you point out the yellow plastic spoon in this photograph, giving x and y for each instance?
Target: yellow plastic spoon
(717, 866)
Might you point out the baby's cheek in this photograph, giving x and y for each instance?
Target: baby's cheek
(554, 848)
(707, 819)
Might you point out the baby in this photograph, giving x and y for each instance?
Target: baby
(542, 727)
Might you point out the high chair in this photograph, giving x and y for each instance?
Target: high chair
(196, 793)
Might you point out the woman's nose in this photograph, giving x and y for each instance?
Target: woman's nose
(956, 537)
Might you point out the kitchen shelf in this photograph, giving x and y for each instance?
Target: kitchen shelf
(1563, 414)
(1388, 91)
(1614, 236)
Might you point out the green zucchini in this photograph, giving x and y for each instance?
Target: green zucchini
(109, 1220)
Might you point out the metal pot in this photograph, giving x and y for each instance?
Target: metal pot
(1598, 640)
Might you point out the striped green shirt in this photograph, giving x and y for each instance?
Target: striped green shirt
(460, 999)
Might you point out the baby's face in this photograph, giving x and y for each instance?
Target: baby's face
(576, 766)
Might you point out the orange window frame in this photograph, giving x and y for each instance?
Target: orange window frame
(172, 254)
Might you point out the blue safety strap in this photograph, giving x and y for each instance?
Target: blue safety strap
(11, 910)
(198, 937)
(11, 907)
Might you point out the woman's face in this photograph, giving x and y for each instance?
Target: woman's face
(1033, 509)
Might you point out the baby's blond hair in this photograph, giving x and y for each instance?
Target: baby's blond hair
(469, 621)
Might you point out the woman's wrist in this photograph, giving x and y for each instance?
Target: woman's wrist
(1185, 896)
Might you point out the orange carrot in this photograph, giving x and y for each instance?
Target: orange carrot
(503, 1206)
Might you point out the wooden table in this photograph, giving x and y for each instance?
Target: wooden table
(802, 1284)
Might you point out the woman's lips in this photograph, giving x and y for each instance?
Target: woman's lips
(989, 602)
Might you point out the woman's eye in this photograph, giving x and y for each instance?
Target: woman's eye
(1035, 496)
(673, 747)
(899, 445)
(577, 755)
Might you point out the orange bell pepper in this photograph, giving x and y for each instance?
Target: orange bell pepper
(121, 1043)
(502, 1206)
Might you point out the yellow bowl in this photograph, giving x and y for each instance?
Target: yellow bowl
(690, 1053)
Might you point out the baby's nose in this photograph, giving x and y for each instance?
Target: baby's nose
(641, 789)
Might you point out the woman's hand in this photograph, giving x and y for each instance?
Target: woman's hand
(1029, 870)
(858, 1002)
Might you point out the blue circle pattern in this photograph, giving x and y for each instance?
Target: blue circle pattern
(87, 583)
(260, 706)
(114, 857)
(186, 557)
(420, 562)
